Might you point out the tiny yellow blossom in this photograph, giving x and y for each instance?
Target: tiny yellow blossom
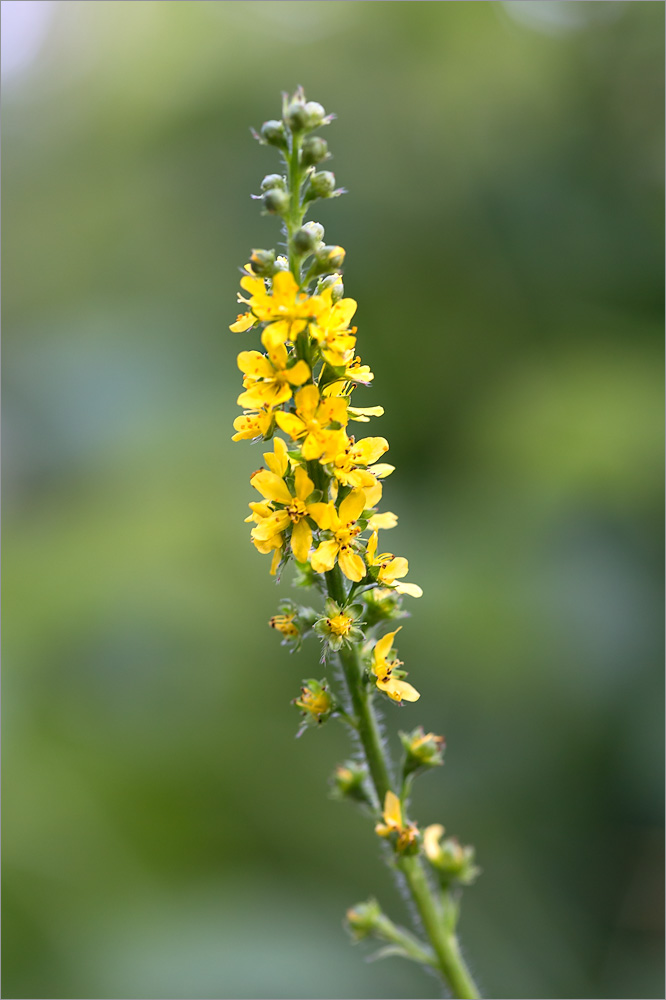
(385, 671)
(312, 423)
(393, 823)
(268, 381)
(295, 511)
(343, 525)
(391, 568)
(253, 424)
(331, 332)
(285, 625)
(340, 624)
(350, 466)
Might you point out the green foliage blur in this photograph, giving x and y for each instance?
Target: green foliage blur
(165, 835)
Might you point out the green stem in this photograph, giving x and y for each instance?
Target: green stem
(444, 942)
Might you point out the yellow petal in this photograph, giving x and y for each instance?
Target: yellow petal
(323, 558)
(256, 364)
(363, 413)
(307, 400)
(264, 394)
(368, 450)
(275, 562)
(352, 506)
(373, 495)
(271, 486)
(383, 521)
(285, 288)
(271, 526)
(431, 838)
(290, 424)
(243, 322)
(372, 548)
(392, 810)
(351, 565)
(398, 690)
(320, 514)
(298, 374)
(382, 469)
(277, 460)
(301, 540)
(396, 568)
(411, 589)
(383, 647)
(303, 485)
(277, 352)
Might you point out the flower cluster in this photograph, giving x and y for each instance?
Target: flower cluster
(317, 504)
(321, 485)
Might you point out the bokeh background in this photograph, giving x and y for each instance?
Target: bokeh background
(165, 835)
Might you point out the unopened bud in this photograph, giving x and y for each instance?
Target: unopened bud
(273, 133)
(322, 184)
(453, 862)
(315, 149)
(330, 258)
(273, 181)
(296, 116)
(364, 918)
(263, 262)
(305, 240)
(276, 201)
(422, 749)
(314, 114)
(348, 782)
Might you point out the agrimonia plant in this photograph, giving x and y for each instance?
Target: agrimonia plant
(317, 507)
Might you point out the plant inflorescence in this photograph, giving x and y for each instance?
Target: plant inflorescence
(318, 507)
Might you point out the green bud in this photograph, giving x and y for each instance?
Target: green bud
(452, 861)
(276, 201)
(273, 133)
(314, 115)
(329, 258)
(364, 919)
(263, 262)
(422, 749)
(316, 229)
(322, 184)
(304, 240)
(296, 116)
(348, 782)
(273, 181)
(315, 149)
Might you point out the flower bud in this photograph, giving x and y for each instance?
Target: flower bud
(422, 749)
(329, 258)
(315, 149)
(348, 782)
(276, 201)
(364, 919)
(273, 181)
(314, 114)
(453, 862)
(334, 282)
(322, 184)
(296, 116)
(263, 262)
(273, 133)
(315, 702)
(305, 240)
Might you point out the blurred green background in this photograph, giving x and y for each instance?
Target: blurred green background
(165, 835)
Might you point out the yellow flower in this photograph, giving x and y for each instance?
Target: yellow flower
(268, 380)
(384, 670)
(252, 424)
(315, 701)
(295, 511)
(285, 625)
(285, 307)
(391, 568)
(345, 529)
(393, 823)
(274, 544)
(340, 624)
(350, 465)
(312, 421)
(331, 332)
